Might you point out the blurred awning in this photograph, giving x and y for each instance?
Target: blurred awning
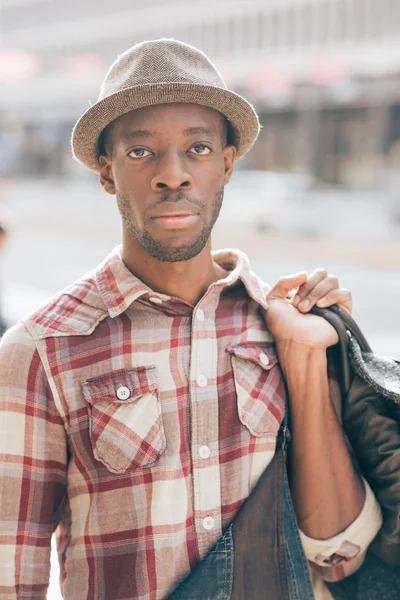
(86, 64)
(18, 65)
(327, 71)
(271, 82)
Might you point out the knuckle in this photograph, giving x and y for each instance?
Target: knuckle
(333, 279)
(314, 295)
(321, 271)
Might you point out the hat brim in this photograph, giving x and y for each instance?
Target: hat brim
(240, 113)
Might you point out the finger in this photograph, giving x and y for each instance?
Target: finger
(341, 296)
(321, 290)
(287, 283)
(313, 279)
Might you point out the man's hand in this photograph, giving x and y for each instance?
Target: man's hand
(323, 290)
(288, 321)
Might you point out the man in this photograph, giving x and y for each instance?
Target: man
(142, 405)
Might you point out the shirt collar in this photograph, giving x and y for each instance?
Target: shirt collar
(119, 288)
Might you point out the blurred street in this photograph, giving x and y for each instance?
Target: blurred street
(61, 230)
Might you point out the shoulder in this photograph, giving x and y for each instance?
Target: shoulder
(76, 310)
(18, 357)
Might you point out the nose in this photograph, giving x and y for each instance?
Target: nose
(171, 173)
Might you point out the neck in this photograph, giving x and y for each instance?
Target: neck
(187, 280)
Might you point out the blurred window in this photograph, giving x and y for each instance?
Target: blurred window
(265, 26)
(392, 22)
(249, 31)
(323, 17)
(276, 28)
(378, 18)
(291, 28)
(340, 21)
(221, 38)
(359, 14)
(27, 14)
(306, 25)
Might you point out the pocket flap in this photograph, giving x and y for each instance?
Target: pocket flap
(122, 386)
(263, 354)
(260, 388)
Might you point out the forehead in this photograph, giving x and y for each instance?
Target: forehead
(179, 115)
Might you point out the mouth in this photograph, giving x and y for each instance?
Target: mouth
(176, 220)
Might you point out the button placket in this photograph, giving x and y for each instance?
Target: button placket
(204, 427)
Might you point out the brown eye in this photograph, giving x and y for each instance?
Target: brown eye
(201, 149)
(139, 153)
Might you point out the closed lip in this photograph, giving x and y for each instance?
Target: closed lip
(175, 210)
(176, 221)
(174, 215)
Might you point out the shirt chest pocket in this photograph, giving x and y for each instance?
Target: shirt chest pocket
(126, 429)
(260, 387)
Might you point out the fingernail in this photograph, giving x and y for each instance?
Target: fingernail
(296, 301)
(305, 304)
(321, 301)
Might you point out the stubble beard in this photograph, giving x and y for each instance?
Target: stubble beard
(161, 251)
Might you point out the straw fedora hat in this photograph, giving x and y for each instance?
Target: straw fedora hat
(160, 72)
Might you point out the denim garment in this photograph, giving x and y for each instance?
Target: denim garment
(300, 586)
(260, 556)
(213, 577)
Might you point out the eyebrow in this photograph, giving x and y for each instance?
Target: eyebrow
(129, 135)
(205, 130)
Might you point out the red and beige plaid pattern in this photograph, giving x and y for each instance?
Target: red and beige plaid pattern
(136, 423)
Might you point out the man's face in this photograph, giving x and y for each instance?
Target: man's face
(167, 165)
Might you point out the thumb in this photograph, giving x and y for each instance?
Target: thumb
(286, 284)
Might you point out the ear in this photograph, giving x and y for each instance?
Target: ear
(106, 175)
(229, 158)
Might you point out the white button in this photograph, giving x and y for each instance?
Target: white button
(156, 300)
(123, 393)
(201, 380)
(200, 314)
(208, 523)
(264, 358)
(204, 452)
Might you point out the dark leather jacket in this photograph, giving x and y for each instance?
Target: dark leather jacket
(371, 420)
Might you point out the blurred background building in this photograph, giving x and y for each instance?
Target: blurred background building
(323, 74)
(321, 185)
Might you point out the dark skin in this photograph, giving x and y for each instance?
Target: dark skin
(168, 165)
(143, 168)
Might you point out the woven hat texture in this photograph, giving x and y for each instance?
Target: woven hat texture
(160, 72)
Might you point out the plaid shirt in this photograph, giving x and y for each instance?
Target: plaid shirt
(138, 424)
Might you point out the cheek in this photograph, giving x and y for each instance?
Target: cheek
(210, 180)
(131, 188)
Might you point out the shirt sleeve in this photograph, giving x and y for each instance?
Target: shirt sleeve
(33, 463)
(340, 556)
